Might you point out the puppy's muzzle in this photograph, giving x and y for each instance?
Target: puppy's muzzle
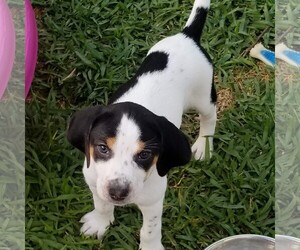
(118, 190)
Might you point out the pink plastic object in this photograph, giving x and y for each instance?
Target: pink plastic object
(7, 45)
(31, 45)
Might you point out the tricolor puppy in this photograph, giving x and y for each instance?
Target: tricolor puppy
(132, 143)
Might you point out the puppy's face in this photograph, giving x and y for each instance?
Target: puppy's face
(123, 152)
(125, 143)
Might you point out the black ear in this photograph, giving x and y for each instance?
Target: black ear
(176, 150)
(80, 127)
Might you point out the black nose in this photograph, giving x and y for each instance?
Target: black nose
(118, 190)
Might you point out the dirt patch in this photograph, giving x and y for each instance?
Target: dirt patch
(240, 77)
(225, 100)
(286, 73)
(263, 73)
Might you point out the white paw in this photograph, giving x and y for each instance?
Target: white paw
(150, 239)
(95, 223)
(151, 246)
(199, 148)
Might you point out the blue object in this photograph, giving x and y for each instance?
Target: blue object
(269, 55)
(293, 55)
(288, 55)
(263, 54)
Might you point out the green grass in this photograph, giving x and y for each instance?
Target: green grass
(287, 151)
(87, 49)
(287, 125)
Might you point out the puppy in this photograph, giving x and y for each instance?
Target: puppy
(132, 143)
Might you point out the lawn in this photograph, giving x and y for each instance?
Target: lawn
(86, 50)
(287, 136)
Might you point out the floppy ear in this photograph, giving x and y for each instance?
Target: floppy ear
(176, 150)
(80, 127)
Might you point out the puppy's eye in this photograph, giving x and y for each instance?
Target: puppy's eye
(103, 149)
(144, 155)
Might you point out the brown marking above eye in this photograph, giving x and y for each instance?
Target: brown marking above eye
(140, 147)
(110, 142)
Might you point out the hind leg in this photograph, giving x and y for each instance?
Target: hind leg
(207, 129)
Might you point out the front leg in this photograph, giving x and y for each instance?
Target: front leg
(151, 230)
(97, 221)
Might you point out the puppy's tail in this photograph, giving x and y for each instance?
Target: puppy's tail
(196, 21)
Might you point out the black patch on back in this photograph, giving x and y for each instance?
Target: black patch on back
(155, 61)
(194, 31)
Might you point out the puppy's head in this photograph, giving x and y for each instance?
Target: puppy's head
(125, 142)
